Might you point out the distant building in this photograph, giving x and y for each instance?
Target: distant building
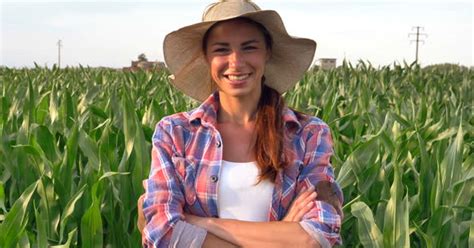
(327, 63)
(145, 65)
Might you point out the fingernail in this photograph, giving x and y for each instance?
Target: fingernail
(313, 194)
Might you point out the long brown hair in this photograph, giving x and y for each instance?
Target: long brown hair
(269, 125)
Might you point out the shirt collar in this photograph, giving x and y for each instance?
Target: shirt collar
(207, 113)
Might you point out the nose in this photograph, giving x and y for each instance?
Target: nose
(235, 59)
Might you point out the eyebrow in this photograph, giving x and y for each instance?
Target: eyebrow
(227, 44)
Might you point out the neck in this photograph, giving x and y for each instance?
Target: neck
(236, 110)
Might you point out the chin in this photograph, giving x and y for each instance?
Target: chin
(240, 93)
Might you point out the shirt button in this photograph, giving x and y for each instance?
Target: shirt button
(214, 178)
(219, 144)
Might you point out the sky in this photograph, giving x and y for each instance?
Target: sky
(113, 33)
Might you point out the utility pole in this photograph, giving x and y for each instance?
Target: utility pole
(417, 40)
(60, 44)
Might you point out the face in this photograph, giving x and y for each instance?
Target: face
(237, 54)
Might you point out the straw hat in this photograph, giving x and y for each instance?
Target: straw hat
(290, 58)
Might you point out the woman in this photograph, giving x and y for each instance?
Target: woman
(241, 169)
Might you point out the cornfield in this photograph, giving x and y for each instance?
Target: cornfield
(75, 147)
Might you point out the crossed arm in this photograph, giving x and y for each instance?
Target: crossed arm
(254, 234)
(235, 233)
(285, 233)
(320, 219)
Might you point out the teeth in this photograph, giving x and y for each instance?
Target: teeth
(238, 78)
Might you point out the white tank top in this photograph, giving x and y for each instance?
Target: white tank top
(237, 195)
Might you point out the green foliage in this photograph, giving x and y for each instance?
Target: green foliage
(75, 147)
(403, 150)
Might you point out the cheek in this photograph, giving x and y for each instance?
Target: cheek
(215, 66)
(260, 64)
(260, 60)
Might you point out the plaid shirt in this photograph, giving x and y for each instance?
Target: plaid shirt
(186, 160)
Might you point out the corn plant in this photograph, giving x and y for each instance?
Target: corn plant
(75, 148)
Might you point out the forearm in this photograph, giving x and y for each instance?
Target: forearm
(212, 241)
(260, 234)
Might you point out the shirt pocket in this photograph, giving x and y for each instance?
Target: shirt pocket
(186, 171)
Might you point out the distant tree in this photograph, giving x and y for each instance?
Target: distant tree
(142, 57)
(315, 68)
(446, 67)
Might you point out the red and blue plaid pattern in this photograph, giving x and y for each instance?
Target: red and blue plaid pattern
(186, 159)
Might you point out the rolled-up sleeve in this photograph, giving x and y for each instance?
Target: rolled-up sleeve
(164, 199)
(322, 222)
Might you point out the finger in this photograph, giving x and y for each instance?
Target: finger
(299, 216)
(288, 217)
(308, 198)
(311, 188)
(304, 206)
(141, 216)
(140, 224)
(140, 202)
(298, 202)
(303, 195)
(301, 205)
(311, 197)
(305, 192)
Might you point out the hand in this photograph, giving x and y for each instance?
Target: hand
(199, 221)
(141, 217)
(194, 219)
(301, 205)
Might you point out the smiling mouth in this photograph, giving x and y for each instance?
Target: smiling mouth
(237, 77)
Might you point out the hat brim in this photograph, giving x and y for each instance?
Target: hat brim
(290, 59)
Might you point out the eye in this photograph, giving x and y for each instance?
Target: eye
(250, 48)
(220, 50)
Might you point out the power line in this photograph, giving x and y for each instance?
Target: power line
(60, 44)
(418, 40)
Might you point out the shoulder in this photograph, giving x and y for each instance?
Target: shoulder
(307, 133)
(310, 124)
(317, 135)
(178, 119)
(175, 125)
